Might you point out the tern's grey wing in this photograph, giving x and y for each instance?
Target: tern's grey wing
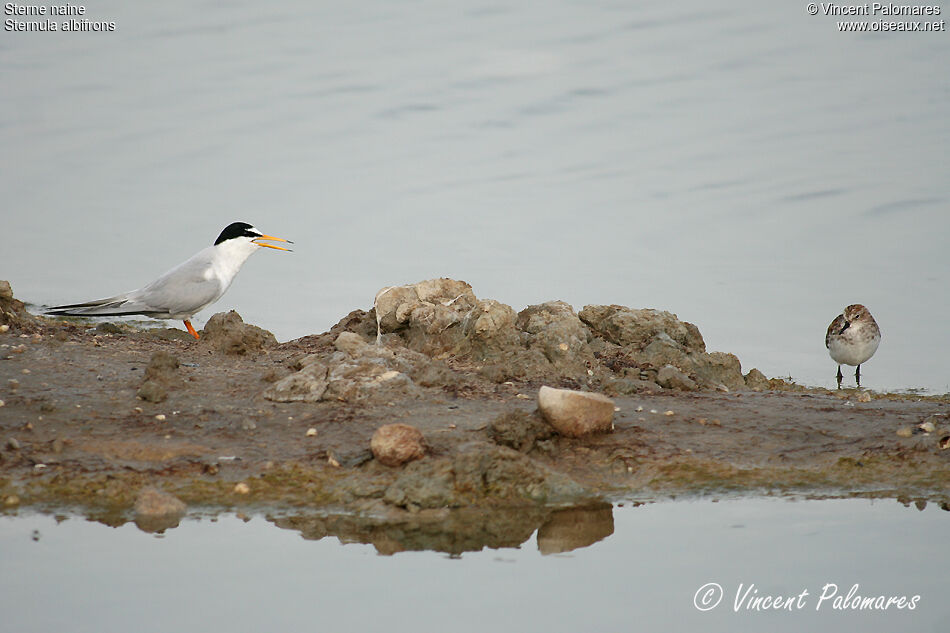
(183, 290)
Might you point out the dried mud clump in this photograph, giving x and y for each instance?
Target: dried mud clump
(356, 372)
(599, 345)
(438, 334)
(160, 376)
(13, 312)
(229, 334)
(519, 430)
(481, 473)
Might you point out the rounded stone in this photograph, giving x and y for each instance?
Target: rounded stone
(576, 413)
(396, 444)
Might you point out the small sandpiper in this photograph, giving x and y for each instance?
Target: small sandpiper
(852, 339)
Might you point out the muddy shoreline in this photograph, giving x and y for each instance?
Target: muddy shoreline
(231, 424)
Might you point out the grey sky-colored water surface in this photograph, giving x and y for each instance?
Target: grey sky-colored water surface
(749, 168)
(231, 576)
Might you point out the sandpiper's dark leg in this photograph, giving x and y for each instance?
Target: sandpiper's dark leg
(857, 375)
(839, 376)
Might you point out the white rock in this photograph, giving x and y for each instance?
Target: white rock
(576, 413)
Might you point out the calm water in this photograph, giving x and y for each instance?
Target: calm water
(229, 575)
(751, 169)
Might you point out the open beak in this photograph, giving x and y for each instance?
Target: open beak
(274, 239)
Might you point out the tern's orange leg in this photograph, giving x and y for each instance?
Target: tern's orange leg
(191, 329)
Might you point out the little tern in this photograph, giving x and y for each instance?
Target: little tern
(187, 288)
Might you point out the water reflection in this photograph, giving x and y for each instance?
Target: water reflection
(465, 530)
(239, 573)
(567, 530)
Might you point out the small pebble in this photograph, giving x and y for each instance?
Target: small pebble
(13, 384)
(311, 432)
(927, 427)
(4, 328)
(160, 417)
(523, 396)
(39, 467)
(137, 409)
(333, 462)
(639, 409)
(654, 411)
(667, 413)
(11, 500)
(2, 403)
(25, 371)
(904, 431)
(242, 488)
(13, 444)
(616, 409)
(864, 396)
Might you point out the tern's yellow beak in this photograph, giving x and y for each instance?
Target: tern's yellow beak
(275, 239)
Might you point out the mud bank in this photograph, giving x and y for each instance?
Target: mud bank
(93, 414)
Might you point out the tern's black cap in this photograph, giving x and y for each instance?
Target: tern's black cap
(237, 229)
